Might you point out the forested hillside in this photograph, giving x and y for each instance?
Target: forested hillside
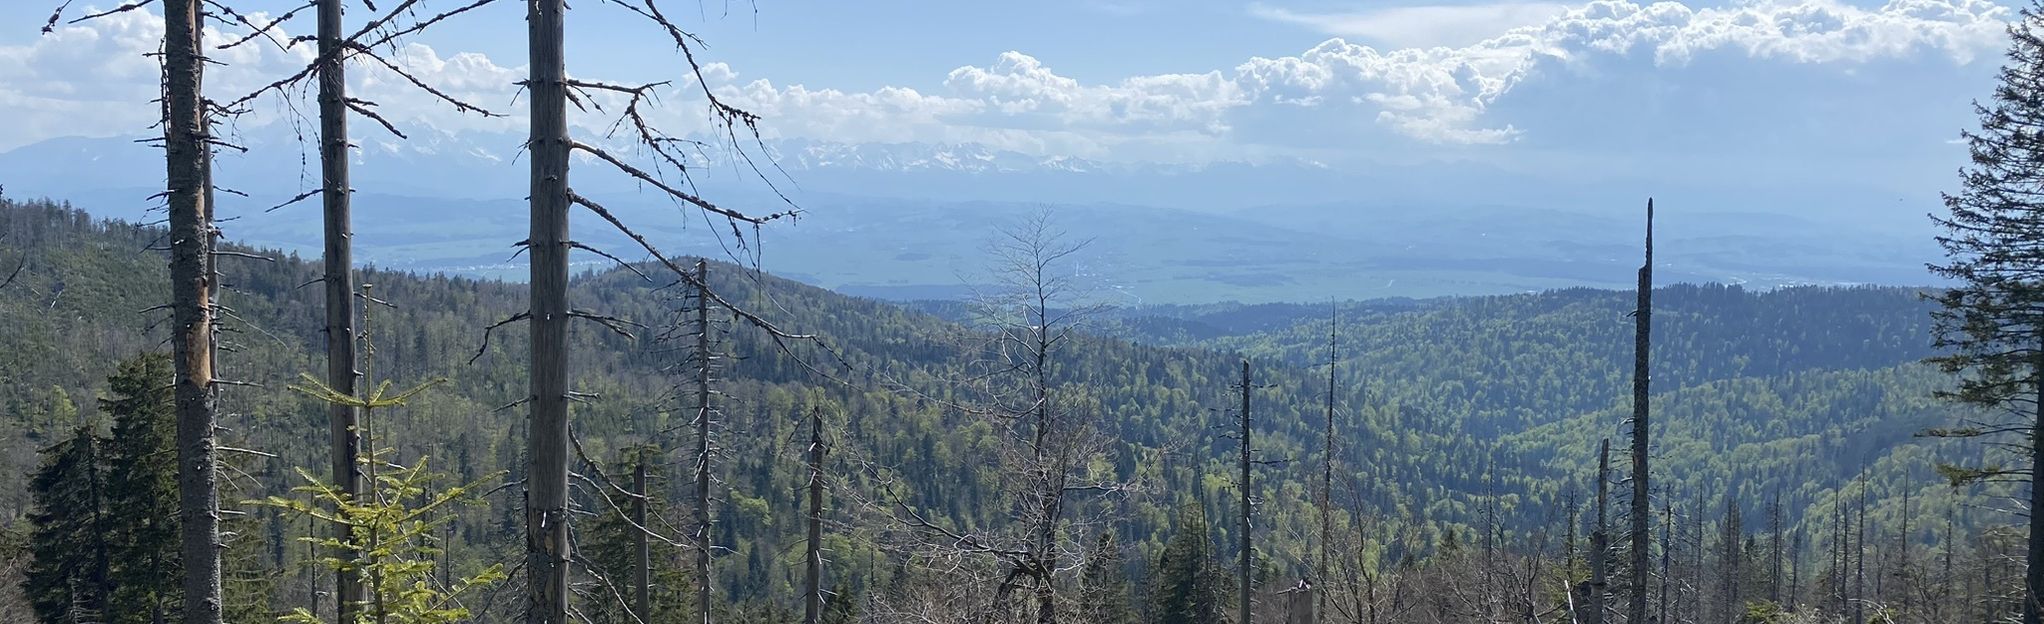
(1459, 421)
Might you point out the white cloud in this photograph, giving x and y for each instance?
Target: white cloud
(93, 79)
(1419, 26)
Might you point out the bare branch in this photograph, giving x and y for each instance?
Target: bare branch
(493, 327)
(678, 193)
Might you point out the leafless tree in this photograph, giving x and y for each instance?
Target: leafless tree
(1642, 505)
(1327, 459)
(548, 546)
(187, 145)
(1049, 442)
(812, 560)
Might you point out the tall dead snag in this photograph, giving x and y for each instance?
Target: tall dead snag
(812, 577)
(1600, 538)
(547, 548)
(191, 239)
(701, 361)
(339, 283)
(1327, 460)
(1642, 505)
(1248, 484)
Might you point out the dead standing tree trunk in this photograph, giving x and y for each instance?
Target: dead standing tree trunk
(1327, 462)
(1248, 550)
(812, 577)
(547, 547)
(701, 363)
(191, 232)
(339, 281)
(1642, 505)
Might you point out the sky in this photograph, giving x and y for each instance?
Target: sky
(1782, 92)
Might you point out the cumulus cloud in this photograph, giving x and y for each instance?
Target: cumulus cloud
(1334, 94)
(1418, 26)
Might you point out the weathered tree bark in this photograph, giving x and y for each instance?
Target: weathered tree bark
(1642, 505)
(642, 546)
(339, 281)
(546, 500)
(1246, 513)
(1600, 539)
(812, 577)
(191, 244)
(704, 412)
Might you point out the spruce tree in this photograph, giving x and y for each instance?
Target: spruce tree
(68, 580)
(1991, 323)
(141, 460)
(1189, 586)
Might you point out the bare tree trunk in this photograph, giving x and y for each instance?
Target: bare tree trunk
(1246, 489)
(1641, 503)
(702, 467)
(339, 281)
(191, 234)
(642, 547)
(1327, 460)
(547, 547)
(2033, 575)
(1600, 547)
(812, 598)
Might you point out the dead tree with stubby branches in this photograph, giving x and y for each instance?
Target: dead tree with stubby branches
(551, 144)
(337, 48)
(188, 143)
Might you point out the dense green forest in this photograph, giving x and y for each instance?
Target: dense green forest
(1465, 447)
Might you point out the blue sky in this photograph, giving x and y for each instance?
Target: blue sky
(1790, 93)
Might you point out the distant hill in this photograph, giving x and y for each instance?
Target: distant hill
(1798, 391)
